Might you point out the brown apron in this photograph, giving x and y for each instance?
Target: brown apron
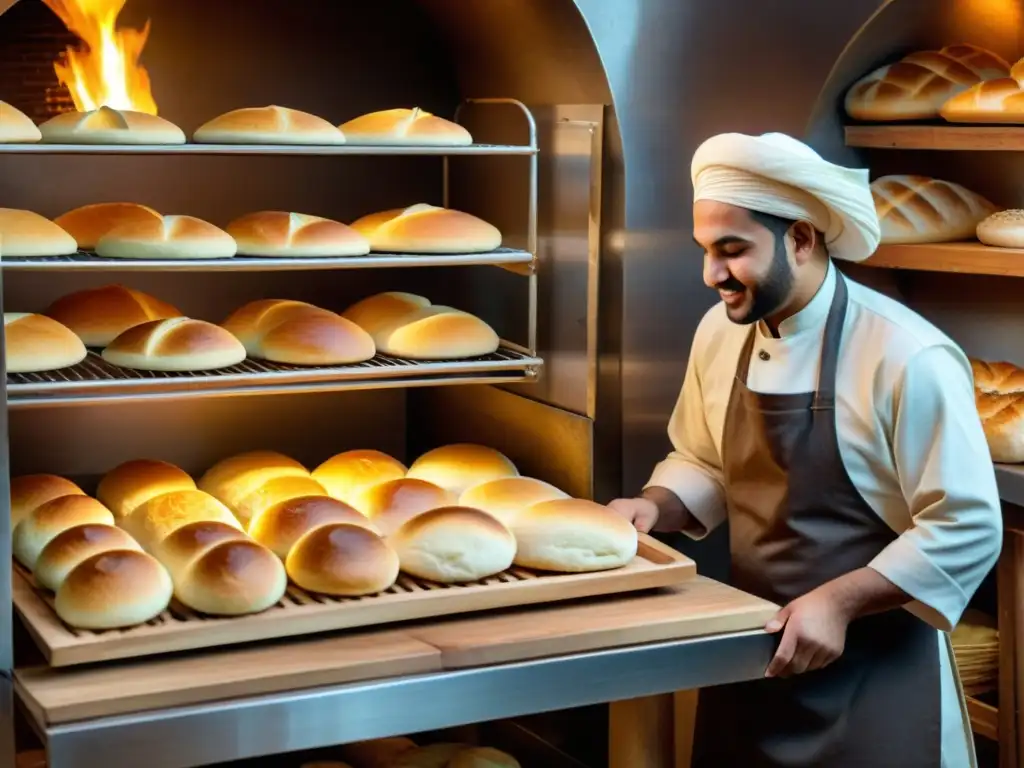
(796, 522)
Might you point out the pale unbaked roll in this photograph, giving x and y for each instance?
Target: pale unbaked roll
(267, 125)
(36, 343)
(573, 536)
(131, 484)
(89, 223)
(114, 589)
(27, 234)
(45, 522)
(506, 497)
(453, 545)
(460, 466)
(342, 559)
(31, 491)
(391, 504)
(99, 315)
(110, 126)
(75, 545)
(348, 474)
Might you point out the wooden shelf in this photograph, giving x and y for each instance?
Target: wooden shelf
(984, 718)
(1010, 478)
(1002, 138)
(968, 258)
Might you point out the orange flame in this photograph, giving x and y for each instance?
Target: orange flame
(105, 72)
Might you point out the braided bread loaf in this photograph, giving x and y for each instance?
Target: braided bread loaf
(919, 209)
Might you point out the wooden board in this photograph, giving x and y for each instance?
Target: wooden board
(967, 258)
(302, 613)
(958, 137)
(698, 607)
(984, 718)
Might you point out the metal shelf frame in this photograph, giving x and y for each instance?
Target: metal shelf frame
(307, 150)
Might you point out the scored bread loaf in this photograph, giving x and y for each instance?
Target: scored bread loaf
(29, 492)
(36, 343)
(16, 127)
(281, 525)
(573, 536)
(175, 344)
(382, 311)
(169, 237)
(376, 753)
(918, 209)
(63, 553)
(506, 497)
(1003, 229)
(998, 378)
(113, 589)
(89, 223)
(391, 504)
(1002, 417)
(424, 228)
(483, 757)
(267, 125)
(46, 521)
(297, 333)
(99, 315)
(298, 235)
(346, 475)
(110, 126)
(26, 234)
(405, 127)
(130, 485)
(459, 466)
(152, 522)
(342, 559)
(994, 100)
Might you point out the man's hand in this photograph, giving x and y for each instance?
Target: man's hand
(641, 512)
(813, 633)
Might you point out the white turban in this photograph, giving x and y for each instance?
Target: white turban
(778, 175)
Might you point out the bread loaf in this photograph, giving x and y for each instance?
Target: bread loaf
(389, 505)
(65, 551)
(342, 559)
(169, 237)
(1002, 417)
(36, 343)
(573, 536)
(156, 519)
(181, 547)
(382, 311)
(430, 756)
(233, 480)
(506, 497)
(1004, 229)
(997, 378)
(460, 466)
(483, 757)
(454, 544)
(24, 234)
(16, 127)
(89, 223)
(376, 753)
(272, 492)
(40, 526)
(29, 492)
(281, 525)
(998, 100)
(918, 209)
(130, 485)
(99, 315)
(346, 475)
(405, 127)
(296, 235)
(110, 126)
(268, 125)
(298, 333)
(114, 589)
(426, 228)
(176, 344)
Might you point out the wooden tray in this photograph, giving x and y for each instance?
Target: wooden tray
(303, 613)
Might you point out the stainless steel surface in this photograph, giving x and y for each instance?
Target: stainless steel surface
(191, 736)
(257, 149)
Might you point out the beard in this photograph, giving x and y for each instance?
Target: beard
(768, 296)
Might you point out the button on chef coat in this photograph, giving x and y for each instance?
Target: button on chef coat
(909, 436)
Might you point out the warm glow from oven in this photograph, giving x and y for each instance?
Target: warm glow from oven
(105, 72)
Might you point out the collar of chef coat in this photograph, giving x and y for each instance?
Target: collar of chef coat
(812, 316)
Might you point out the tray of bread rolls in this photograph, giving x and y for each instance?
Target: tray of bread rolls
(260, 547)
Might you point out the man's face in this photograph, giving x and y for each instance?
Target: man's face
(744, 261)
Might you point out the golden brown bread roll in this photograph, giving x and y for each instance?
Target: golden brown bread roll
(348, 474)
(483, 757)
(459, 466)
(342, 559)
(40, 526)
(454, 545)
(114, 589)
(89, 223)
(36, 343)
(424, 228)
(299, 235)
(997, 378)
(1002, 417)
(74, 545)
(918, 209)
(183, 545)
(274, 491)
(232, 578)
(131, 484)
(234, 479)
(110, 126)
(376, 753)
(170, 237)
(175, 344)
(990, 101)
(430, 756)
(573, 536)
(156, 519)
(16, 127)
(281, 525)
(1003, 229)
(405, 127)
(267, 125)
(384, 310)
(99, 315)
(506, 497)
(27, 234)
(298, 333)
(29, 492)
(389, 505)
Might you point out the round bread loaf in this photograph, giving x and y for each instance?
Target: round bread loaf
(158, 518)
(342, 559)
(31, 491)
(36, 343)
(41, 525)
(391, 504)
(99, 315)
(131, 484)
(110, 126)
(376, 753)
(430, 756)
(89, 223)
(267, 125)
(506, 497)
(297, 235)
(438, 333)
(274, 491)
(384, 311)
(460, 466)
(16, 127)
(232, 578)
(169, 237)
(27, 234)
(180, 548)
(176, 344)
(426, 228)
(114, 589)
(454, 544)
(281, 525)
(348, 474)
(483, 757)
(233, 479)
(1004, 229)
(74, 545)
(573, 536)
(405, 127)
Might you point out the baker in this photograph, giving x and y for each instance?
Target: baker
(836, 431)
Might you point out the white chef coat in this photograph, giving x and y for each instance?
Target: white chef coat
(909, 435)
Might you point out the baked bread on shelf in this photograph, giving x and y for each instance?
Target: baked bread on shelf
(153, 521)
(36, 343)
(506, 497)
(89, 223)
(114, 589)
(46, 521)
(25, 234)
(31, 491)
(1003, 229)
(254, 480)
(170, 237)
(281, 525)
(16, 127)
(348, 474)
(573, 536)
(999, 396)
(175, 344)
(391, 504)
(342, 559)
(460, 466)
(919, 209)
(405, 127)
(131, 484)
(268, 125)
(282, 234)
(110, 126)
(426, 228)
(99, 315)
(75, 545)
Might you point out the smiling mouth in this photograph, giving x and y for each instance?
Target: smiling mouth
(729, 296)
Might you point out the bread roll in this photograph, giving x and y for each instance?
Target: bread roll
(460, 466)
(297, 333)
(110, 126)
(506, 497)
(16, 127)
(342, 559)
(158, 518)
(118, 588)
(431, 756)
(274, 491)
(454, 544)
(573, 536)
(439, 333)
(376, 753)
(281, 525)
(483, 757)
(232, 479)
(299, 235)
(346, 475)
(1002, 417)
(232, 578)
(917, 209)
(181, 547)
(405, 127)
(131, 484)
(36, 343)
(383, 311)
(74, 545)
(1004, 229)
(176, 344)
(27, 234)
(389, 505)
(997, 378)
(99, 315)
(170, 237)
(991, 101)
(89, 223)
(41, 525)
(267, 125)
(426, 228)
(29, 492)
